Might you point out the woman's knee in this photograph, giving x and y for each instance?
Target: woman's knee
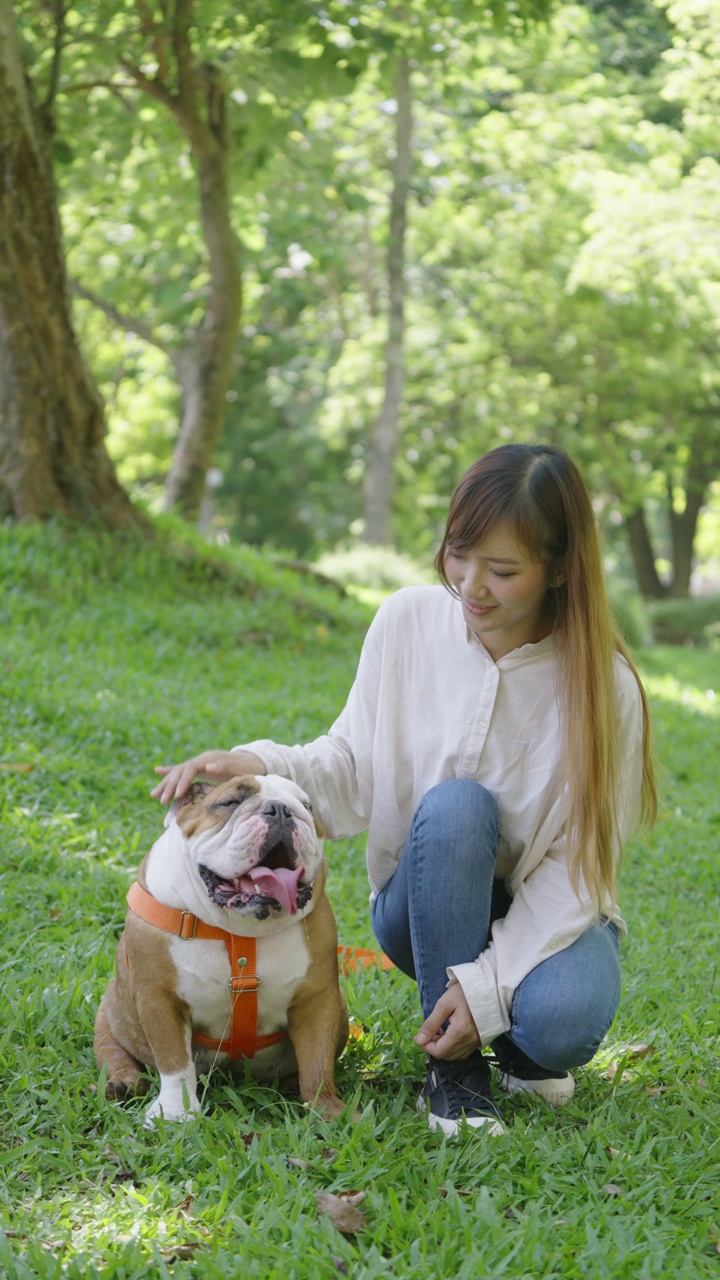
(564, 1008)
(463, 804)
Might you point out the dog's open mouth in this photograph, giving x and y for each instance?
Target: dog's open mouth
(271, 885)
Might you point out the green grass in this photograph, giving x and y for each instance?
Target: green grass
(117, 656)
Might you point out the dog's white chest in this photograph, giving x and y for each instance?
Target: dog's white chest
(203, 969)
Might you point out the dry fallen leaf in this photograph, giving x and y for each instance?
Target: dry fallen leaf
(16, 768)
(342, 1210)
(355, 1031)
(612, 1151)
(247, 1139)
(715, 1236)
(296, 1163)
(639, 1051)
(181, 1252)
(612, 1070)
(612, 1189)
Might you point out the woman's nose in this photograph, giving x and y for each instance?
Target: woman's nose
(476, 582)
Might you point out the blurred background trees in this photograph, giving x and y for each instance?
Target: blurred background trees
(306, 319)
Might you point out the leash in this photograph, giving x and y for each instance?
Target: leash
(353, 957)
(244, 1041)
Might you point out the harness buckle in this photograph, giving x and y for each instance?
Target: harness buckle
(240, 984)
(187, 927)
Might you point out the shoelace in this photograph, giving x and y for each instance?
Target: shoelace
(462, 1087)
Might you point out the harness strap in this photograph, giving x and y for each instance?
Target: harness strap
(244, 1041)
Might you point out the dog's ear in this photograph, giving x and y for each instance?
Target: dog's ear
(196, 792)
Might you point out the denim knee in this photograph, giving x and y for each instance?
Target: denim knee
(464, 800)
(562, 1010)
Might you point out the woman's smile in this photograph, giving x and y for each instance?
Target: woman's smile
(503, 592)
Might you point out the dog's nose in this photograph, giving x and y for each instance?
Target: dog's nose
(274, 809)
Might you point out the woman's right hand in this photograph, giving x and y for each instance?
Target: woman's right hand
(209, 766)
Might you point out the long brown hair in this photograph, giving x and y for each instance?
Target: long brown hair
(538, 491)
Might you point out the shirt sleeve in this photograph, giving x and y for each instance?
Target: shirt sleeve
(546, 915)
(336, 769)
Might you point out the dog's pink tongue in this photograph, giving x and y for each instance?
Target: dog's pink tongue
(280, 884)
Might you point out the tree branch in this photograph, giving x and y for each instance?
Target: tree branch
(183, 55)
(128, 323)
(153, 88)
(56, 58)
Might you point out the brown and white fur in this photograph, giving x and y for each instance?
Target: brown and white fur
(221, 857)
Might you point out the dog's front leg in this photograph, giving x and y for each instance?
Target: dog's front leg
(169, 1032)
(318, 1029)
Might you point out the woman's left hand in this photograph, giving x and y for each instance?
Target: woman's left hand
(460, 1036)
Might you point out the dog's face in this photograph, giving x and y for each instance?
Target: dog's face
(254, 843)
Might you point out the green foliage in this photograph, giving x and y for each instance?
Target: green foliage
(630, 613)
(562, 277)
(379, 568)
(694, 621)
(119, 654)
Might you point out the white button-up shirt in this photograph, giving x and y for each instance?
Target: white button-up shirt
(428, 704)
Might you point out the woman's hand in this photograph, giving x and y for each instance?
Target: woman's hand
(209, 766)
(461, 1035)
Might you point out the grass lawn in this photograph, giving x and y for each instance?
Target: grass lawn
(118, 656)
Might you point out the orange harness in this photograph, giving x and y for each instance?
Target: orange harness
(244, 1041)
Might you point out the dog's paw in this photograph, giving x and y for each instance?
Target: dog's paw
(171, 1108)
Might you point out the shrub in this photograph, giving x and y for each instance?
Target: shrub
(379, 568)
(690, 621)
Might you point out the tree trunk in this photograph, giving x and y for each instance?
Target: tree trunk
(53, 459)
(649, 581)
(204, 366)
(379, 480)
(683, 524)
(196, 94)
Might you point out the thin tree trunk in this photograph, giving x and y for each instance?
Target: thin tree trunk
(205, 364)
(198, 101)
(53, 459)
(649, 581)
(379, 480)
(683, 524)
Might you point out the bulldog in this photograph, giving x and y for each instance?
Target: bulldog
(237, 876)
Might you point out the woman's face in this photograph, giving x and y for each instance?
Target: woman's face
(503, 592)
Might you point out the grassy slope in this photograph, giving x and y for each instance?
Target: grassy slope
(117, 656)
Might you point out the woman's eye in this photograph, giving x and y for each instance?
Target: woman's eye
(496, 574)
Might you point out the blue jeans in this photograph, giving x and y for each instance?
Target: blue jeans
(437, 910)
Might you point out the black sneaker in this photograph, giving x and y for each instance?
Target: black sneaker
(459, 1092)
(519, 1074)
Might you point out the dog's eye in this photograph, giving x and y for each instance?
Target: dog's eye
(232, 803)
(307, 805)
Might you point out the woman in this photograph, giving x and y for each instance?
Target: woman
(495, 744)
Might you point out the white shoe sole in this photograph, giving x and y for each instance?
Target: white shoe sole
(554, 1092)
(451, 1128)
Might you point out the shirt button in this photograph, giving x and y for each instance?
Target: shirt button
(483, 724)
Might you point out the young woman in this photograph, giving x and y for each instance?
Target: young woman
(495, 745)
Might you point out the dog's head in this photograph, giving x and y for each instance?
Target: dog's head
(254, 843)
